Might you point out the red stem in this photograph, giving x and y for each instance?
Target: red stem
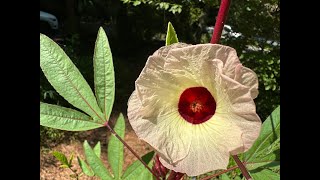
(175, 175)
(242, 167)
(130, 149)
(222, 16)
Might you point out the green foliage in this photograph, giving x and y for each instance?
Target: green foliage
(68, 82)
(224, 177)
(103, 74)
(66, 78)
(264, 174)
(95, 166)
(97, 149)
(265, 152)
(85, 168)
(115, 148)
(63, 159)
(95, 162)
(171, 37)
(159, 5)
(65, 118)
(136, 168)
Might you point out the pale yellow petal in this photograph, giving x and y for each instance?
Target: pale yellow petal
(211, 143)
(193, 56)
(163, 51)
(160, 89)
(162, 127)
(239, 105)
(248, 78)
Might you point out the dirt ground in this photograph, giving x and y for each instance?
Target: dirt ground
(49, 166)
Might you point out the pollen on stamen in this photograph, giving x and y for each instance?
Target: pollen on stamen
(196, 105)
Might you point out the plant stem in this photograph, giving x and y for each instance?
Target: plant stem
(77, 176)
(242, 167)
(222, 16)
(219, 173)
(175, 175)
(130, 149)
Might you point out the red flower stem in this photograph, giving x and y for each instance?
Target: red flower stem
(175, 175)
(222, 16)
(130, 149)
(242, 167)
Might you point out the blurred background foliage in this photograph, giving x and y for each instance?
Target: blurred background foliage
(136, 28)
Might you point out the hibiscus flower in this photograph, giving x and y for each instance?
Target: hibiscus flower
(194, 105)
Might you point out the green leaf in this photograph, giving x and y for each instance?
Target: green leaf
(103, 73)
(224, 177)
(95, 163)
(266, 150)
(264, 174)
(66, 119)
(136, 3)
(97, 149)
(136, 168)
(115, 148)
(146, 174)
(271, 160)
(66, 78)
(70, 160)
(171, 37)
(64, 166)
(85, 168)
(61, 157)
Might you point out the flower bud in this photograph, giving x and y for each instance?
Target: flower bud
(158, 168)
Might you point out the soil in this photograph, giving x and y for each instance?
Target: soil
(49, 166)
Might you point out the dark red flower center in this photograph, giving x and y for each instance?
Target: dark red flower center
(196, 105)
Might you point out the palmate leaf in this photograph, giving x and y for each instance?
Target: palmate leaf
(137, 170)
(171, 37)
(66, 78)
(95, 163)
(65, 118)
(265, 152)
(103, 73)
(115, 148)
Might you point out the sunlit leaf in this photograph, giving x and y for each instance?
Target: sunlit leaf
(171, 37)
(95, 163)
(103, 73)
(66, 79)
(115, 148)
(65, 118)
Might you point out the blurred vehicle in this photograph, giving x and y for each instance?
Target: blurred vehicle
(226, 32)
(49, 24)
(229, 33)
